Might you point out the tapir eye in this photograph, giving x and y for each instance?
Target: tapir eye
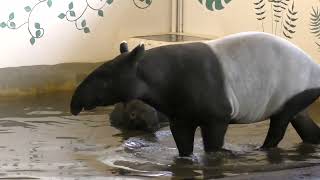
(133, 115)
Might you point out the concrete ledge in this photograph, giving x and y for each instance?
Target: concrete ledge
(152, 41)
(31, 80)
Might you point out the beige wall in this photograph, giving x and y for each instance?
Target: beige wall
(63, 43)
(239, 15)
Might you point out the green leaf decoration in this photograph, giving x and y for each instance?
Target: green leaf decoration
(315, 24)
(86, 30)
(278, 7)
(12, 24)
(27, 8)
(260, 11)
(3, 25)
(62, 15)
(37, 25)
(38, 33)
(289, 24)
(83, 23)
(109, 1)
(148, 2)
(218, 4)
(49, 3)
(142, 4)
(11, 16)
(32, 40)
(100, 13)
(71, 5)
(72, 13)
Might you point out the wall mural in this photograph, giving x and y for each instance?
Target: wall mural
(260, 9)
(315, 24)
(71, 16)
(36, 31)
(142, 4)
(215, 4)
(283, 15)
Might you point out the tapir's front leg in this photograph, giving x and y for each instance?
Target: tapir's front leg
(213, 133)
(183, 134)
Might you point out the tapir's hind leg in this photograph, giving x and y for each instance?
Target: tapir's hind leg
(306, 128)
(279, 122)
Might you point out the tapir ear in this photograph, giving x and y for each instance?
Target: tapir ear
(124, 47)
(137, 52)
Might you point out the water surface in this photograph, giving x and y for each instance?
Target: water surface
(40, 139)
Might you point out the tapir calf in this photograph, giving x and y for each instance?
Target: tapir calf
(136, 115)
(242, 78)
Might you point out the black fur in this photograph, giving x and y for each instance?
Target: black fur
(183, 80)
(136, 115)
(306, 128)
(184, 87)
(114, 81)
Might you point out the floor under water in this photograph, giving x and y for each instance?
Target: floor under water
(40, 139)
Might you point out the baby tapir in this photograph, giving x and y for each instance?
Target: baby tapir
(136, 115)
(242, 78)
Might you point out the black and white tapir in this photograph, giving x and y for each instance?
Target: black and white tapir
(242, 78)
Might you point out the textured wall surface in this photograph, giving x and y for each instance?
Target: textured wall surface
(295, 20)
(37, 32)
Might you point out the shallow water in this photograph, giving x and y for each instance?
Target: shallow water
(40, 139)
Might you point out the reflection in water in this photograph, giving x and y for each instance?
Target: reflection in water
(39, 139)
(274, 156)
(145, 157)
(11, 123)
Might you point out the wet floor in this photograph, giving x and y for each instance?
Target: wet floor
(40, 139)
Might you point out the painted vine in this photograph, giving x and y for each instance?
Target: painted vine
(79, 22)
(35, 29)
(142, 4)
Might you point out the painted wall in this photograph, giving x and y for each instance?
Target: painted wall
(34, 32)
(296, 20)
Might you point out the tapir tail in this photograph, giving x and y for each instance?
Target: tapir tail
(306, 128)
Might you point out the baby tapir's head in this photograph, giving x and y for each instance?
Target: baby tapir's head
(135, 115)
(114, 81)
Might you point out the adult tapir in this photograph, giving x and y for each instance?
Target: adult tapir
(242, 78)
